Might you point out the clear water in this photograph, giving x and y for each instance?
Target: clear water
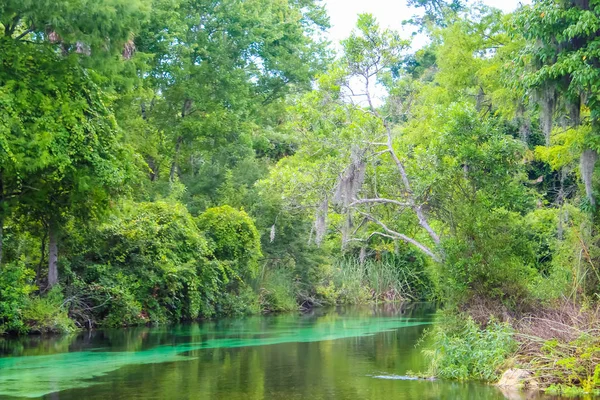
(346, 353)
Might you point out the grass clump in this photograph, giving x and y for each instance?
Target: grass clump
(387, 279)
(561, 345)
(47, 314)
(278, 291)
(458, 348)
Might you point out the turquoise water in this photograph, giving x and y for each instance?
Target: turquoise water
(346, 353)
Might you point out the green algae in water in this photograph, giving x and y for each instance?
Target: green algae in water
(38, 375)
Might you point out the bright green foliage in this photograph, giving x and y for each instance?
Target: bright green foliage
(572, 364)
(278, 291)
(151, 263)
(559, 63)
(387, 278)
(459, 349)
(47, 313)
(59, 140)
(15, 287)
(218, 74)
(562, 47)
(232, 239)
(477, 188)
(240, 302)
(96, 96)
(101, 25)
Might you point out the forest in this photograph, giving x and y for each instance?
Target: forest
(165, 161)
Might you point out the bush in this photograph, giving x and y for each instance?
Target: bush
(150, 263)
(15, 287)
(232, 239)
(243, 302)
(488, 257)
(154, 263)
(47, 314)
(574, 363)
(459, 349)
(349, 279)
(392, 277)
(278, 292)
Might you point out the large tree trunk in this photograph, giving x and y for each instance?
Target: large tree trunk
(548, 108)
(53, 254)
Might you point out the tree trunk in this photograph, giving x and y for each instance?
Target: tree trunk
(547, 115)
(53, 254)
(174, 164)
(588, 163)
(38, 274)
(187, 105)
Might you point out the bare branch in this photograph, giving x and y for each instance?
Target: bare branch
(399, 236)
(27, 32)
(378, 200)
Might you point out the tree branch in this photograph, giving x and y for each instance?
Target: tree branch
(378, 200)
(399, 236)
(27, 32)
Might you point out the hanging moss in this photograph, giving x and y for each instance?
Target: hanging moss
(548, 107)
(588, 163)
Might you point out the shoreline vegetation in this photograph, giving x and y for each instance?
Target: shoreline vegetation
(174, 160)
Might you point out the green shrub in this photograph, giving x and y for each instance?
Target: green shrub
(393, 277)
(232, 238)
(562, 259)
(570, 366)
(154, 263)
(242, 302)
(459, 349)
(488, 257)
(47, 313)
(349, 279)
(150, 263)
(569, 391)
(278, 292)
(15, 287)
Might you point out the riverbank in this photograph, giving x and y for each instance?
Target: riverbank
(334, 353)
(553, 348)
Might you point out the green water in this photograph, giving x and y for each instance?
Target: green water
(351, 353)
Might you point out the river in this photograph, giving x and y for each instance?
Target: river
(343, 353)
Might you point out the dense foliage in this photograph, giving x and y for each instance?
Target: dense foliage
(169, 160)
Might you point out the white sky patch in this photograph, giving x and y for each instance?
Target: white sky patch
(390, 14)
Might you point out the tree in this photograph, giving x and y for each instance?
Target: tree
(217, 70)
(349, 114)
(60, 150)
(561, 60)
(59, 144)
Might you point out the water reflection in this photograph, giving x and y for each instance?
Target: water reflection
(325, 354)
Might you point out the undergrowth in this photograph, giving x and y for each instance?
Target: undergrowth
(458, 348)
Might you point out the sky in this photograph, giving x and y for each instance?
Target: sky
(389, 13)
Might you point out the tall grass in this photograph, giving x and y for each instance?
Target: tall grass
(378, 280)
(458, 348)
(278, 291)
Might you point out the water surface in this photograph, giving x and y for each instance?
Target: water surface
(344, 353)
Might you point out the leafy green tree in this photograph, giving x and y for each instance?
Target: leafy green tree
(561, 61)
(216, 71)
(60, 152)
